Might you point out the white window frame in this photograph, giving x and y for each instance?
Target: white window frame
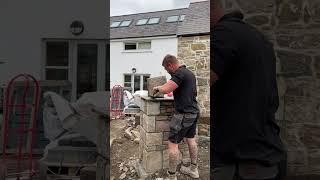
(69, 67)
(137, 46)
(171, 21)
(158, 20)
(147, 19)
(73, 62)
(182, 19)
(114, 26)
(127, 25)
(142, 75)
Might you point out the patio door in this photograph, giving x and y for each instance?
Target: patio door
(82, 62)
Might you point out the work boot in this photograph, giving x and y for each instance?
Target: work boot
(171, 176)
(191, 170)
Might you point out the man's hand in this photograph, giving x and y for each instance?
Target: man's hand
(156, 90)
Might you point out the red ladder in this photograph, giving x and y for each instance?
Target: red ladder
(22, 131)
(116, 100)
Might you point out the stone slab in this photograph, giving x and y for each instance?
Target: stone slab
(153, 82)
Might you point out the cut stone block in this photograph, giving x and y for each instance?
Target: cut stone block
(150, 107)
(153, 108)
(152, 161)
(149, 123)
(154, 139)
(153, 82)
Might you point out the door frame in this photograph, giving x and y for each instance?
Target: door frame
(73, 62)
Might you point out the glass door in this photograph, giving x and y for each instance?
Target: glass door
(87, 59)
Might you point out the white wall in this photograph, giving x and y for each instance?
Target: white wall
(149, 62)
(25, 23)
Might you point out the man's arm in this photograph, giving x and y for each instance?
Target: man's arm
(166, 88)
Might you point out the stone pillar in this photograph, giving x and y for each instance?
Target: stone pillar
(154, 130)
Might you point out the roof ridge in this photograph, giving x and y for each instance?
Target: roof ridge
(150, 12)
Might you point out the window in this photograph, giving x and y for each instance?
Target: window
(127, 81)
(115, 24)
(136, 81)
(154, 20)
(182, 17)
(57, 61)
(130, 46)
(142, 22)
(172, 18)
(143, 45)
(125, 23)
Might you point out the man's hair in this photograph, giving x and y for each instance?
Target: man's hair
(169, 59)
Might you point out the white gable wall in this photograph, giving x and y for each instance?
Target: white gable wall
(146, 62)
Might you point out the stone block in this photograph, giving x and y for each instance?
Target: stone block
(149, 123)
(289, 11)
(258, 20)
(153, 139)
(162, 126)
(310, 136)
(266, 6)
(314, 10)
(298, 39)
(294, 64)
(155, 147)
(152, 161)
(152, 108)
(314, 158)
(202, 81)
(198, 46)
(299, 109)
(296, 157)
(153, 82)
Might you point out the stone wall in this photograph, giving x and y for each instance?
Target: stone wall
(194, 52)
(294, 28)
(154, 130)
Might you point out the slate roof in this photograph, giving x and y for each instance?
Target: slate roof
(197, 21)
(133, 31)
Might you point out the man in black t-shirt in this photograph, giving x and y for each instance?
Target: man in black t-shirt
(245, 99)
(184, 121)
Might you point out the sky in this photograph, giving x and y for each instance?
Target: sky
(121, 7)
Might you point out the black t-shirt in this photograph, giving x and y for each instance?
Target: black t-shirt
(245, 98)
(185, 95)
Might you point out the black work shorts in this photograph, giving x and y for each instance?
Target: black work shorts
(182, 126)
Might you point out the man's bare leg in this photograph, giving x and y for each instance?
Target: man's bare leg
(173, 159)
(192, 170)
(193, 150)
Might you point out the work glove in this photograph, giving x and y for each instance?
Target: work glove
(156, 90)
